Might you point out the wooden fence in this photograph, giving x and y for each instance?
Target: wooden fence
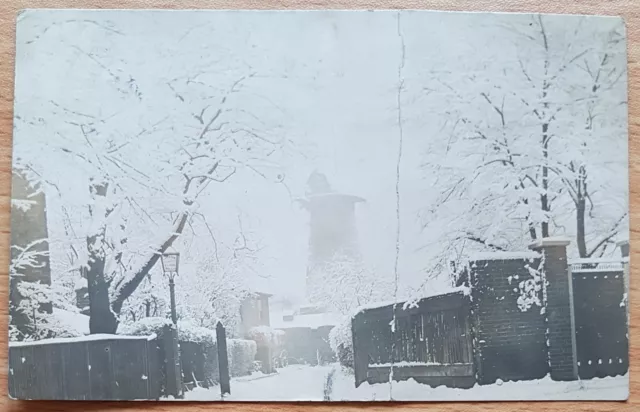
(432, 342)
(99, 367)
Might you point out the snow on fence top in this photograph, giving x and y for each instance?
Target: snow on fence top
(596, 265)
(80, 339)
(433, 293)
(504, 255)
(596, 260)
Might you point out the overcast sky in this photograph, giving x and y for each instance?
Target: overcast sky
(332, 79)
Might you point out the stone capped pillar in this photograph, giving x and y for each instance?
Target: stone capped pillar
(624, 251)
(558, 303)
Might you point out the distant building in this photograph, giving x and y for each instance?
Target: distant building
(332, 228)
(29, 235)
(254, 311)
(332, 234)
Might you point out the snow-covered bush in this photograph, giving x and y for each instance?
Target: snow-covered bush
(190, 332)
(341, 342)
(242, 354)
(265, 335)
(41, 322)
(144, 327)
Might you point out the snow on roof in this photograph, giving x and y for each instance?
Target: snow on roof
(78, 321)
(550, 241)
(504, 255)
(80, 283)
(260, 284)
(88, 338)
(313, 321)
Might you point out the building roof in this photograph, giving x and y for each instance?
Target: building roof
(313, 321)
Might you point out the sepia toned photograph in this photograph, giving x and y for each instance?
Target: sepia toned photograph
(319, 206)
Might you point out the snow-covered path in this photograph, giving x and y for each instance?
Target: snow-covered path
(307, 383)
(293, 383)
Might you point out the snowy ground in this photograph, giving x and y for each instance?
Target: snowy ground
(307, 383)
(293, 383)
(544, 389)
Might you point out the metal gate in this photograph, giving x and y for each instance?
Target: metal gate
(602, 340)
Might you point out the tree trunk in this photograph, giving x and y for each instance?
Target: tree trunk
(581, 206)
(101, 319)
(544, 199)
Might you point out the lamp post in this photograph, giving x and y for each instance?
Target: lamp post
(170, 263)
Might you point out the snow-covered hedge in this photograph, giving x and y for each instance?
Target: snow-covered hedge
(36, 323)
(341, 342)
(187, 330)
(144, 327)
(190, 332)
(265, 335)
(242, 354)
(48, 326)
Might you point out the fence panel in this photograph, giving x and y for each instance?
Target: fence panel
(98, 367)
(431, 343)
(76, 372)
(602, 342)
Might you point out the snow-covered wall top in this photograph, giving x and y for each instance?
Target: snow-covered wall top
(504, 255)
(81, 339)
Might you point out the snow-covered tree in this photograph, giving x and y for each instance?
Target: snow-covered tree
(137, 160)
(214, 292)
(347, 284)
(531, 152)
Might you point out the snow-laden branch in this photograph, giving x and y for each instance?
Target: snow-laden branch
(28, 257)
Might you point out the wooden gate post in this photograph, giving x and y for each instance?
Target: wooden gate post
(223, 360)
(173, 368)
(360, 359)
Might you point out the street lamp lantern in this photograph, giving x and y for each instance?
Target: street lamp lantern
(170, 263)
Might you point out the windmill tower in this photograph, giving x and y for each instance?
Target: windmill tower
(332, 228)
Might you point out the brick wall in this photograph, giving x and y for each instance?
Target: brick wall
(509, 340)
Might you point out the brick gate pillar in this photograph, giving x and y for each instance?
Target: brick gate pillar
(558, 303)
(624, 250)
